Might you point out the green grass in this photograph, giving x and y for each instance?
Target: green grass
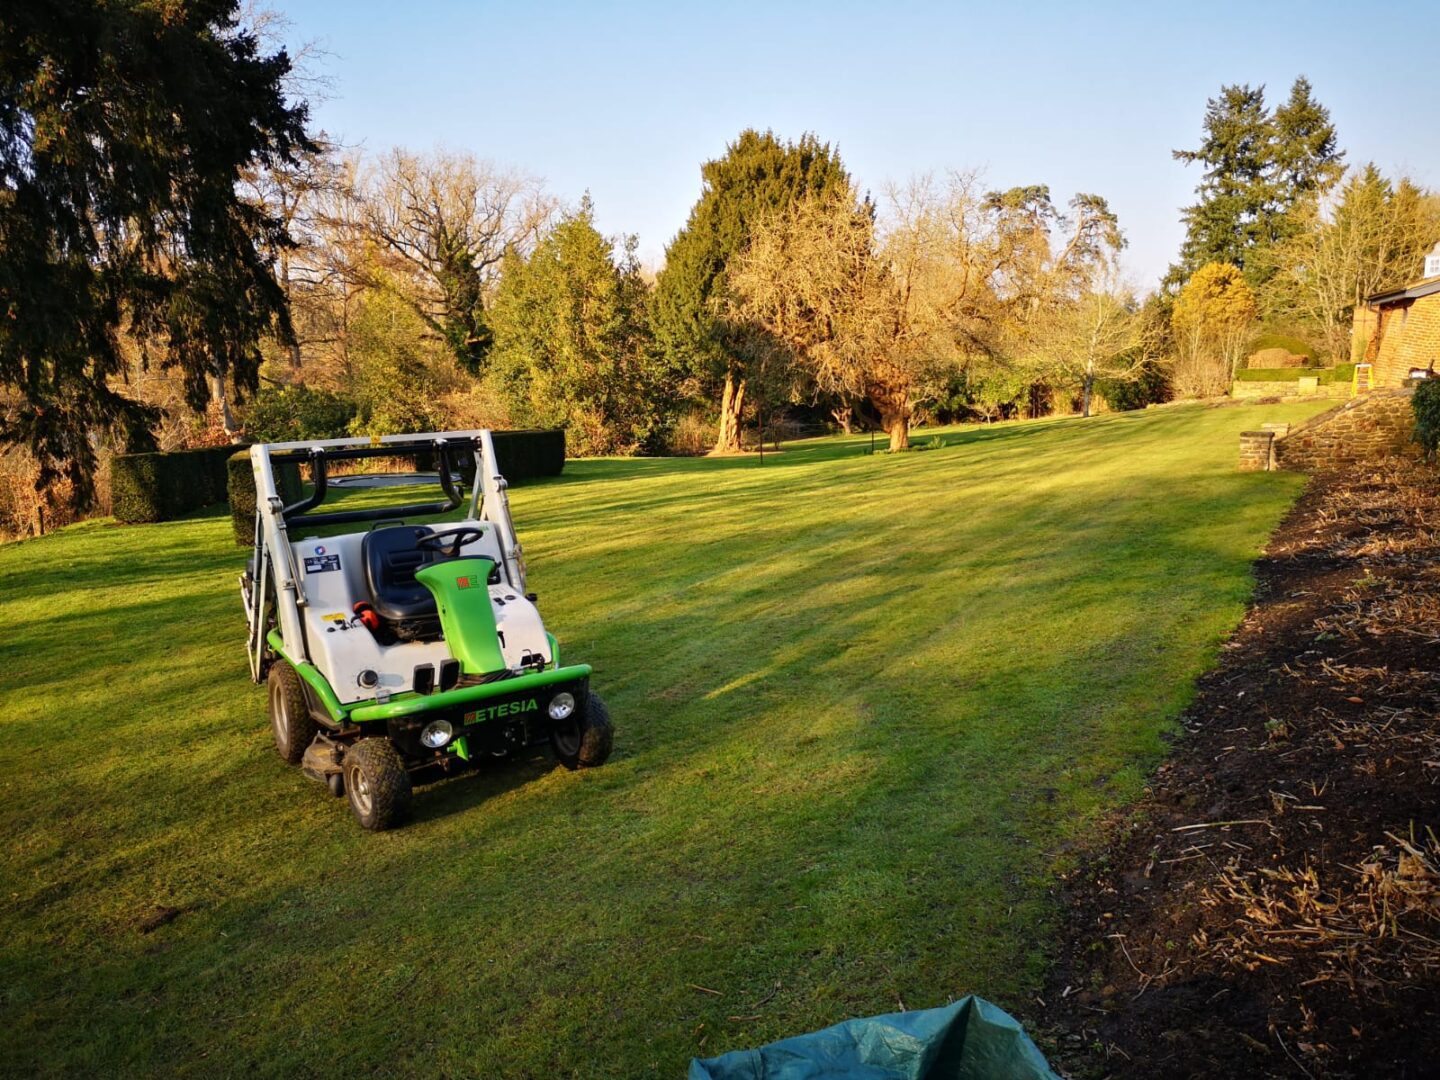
(863, 704)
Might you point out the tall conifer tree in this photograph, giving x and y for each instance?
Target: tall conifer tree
(1259, 167)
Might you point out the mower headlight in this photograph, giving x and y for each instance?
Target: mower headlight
(436, 734)
(562, 705)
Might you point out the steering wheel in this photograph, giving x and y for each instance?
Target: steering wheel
(457, 538)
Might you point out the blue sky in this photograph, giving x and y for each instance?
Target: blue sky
(627, 100)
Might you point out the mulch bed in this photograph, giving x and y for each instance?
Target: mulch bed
(1271, 906)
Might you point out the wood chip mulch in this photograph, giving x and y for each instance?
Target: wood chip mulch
(1271, 906)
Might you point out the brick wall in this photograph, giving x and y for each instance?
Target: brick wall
(1371, 426)
(1362, 332)
(1406, 335)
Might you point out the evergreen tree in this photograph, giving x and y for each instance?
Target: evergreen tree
(399, 370)
(572, 345)
(124, 128)
(758, 176)
(1236, 197)
(1259, 169)
(1307, 158)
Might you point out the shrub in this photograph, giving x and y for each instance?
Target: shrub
(1276, 358)
(529, 455)
(1426, 404)
(27, 510)
(693, 435)
(1340, 373)
(159, 487)
(1150, 387)
(292, 413)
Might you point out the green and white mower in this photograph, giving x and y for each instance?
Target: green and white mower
(404, 653)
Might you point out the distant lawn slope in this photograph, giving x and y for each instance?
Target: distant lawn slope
(862, 703)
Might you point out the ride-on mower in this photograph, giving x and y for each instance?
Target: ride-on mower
(405, 652)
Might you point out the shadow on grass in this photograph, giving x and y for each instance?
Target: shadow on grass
(856, 704)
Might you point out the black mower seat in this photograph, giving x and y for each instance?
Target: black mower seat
(391, 558)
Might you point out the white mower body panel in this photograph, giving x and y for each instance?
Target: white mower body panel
(340, 646)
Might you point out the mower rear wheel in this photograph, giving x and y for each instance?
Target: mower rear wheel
(290, 719)
(583, 744)
(376, 784)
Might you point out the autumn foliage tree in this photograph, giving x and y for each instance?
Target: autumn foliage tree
(1212, 321)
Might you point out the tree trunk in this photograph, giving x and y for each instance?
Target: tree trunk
(219, 398)
(894, 408)
(898, 425)
(732, 404)
(294, 347)
(1086, 385)
(845, 417)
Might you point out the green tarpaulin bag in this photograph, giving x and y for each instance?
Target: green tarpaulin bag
(969, 1040)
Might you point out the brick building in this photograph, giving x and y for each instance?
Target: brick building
(1399, 331)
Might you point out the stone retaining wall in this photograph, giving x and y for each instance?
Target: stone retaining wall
(1371, 426)
(1287, 388)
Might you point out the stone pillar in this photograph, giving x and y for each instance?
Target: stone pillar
(1256, 451)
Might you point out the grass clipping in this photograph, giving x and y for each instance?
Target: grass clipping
(1377, 927)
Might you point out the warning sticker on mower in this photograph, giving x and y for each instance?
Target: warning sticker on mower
(318, 564)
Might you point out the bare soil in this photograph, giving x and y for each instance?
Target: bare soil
(1271, 906)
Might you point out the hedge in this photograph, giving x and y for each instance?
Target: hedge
(522, 455)
(241, 490)
(529, 455)
(158, 487)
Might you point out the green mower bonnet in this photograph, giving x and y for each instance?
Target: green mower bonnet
(462, 593)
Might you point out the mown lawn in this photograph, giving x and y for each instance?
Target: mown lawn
(862, 703)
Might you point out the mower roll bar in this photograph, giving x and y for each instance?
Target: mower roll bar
(317, 456)
(275, 555)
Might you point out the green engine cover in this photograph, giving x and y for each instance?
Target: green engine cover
(462, 593)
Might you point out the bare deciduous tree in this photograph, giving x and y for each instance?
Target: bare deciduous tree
(1083, 339)
(1355, 239)
(303, 194)
(880, 311)
(440, 224)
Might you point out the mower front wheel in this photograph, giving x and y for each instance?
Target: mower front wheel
(585, 743)
(376, 784)
(290, 719)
